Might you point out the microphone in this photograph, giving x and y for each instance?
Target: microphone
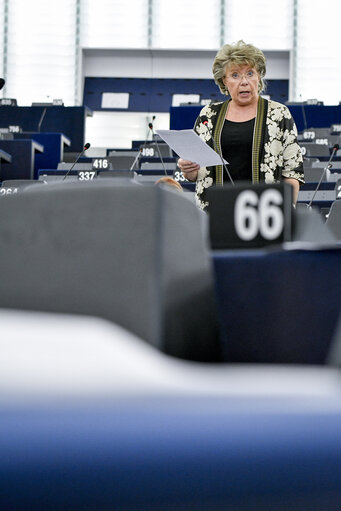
(151, 127)
(87, 145)
(146, 139)
(205, 122)
(327, 167)
(2, 83)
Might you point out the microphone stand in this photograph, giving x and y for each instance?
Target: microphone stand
(327, 167)
(143, 147)
(41, 119)
(158, 148)
(145, 140)
(76, 160)
(137, 158)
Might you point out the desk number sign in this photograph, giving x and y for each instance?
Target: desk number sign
(245, 216)
(100, 164)
(8, 190)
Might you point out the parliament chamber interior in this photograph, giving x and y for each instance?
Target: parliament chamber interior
(153, 356)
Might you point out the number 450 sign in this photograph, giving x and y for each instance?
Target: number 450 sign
(248, 215)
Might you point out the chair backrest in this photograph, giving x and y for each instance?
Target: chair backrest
(334, 219)
(135, 255)
(309, 226)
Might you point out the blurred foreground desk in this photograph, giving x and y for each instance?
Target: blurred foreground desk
(93, 419)
(171, 454)
(278, 306)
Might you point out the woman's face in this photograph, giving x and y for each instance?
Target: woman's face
(242, 83)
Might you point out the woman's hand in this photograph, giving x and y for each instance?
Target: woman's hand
(189, 169)
(296, 187)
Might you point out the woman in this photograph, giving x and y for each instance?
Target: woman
(256, 136)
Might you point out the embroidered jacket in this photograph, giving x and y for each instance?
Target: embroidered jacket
(275, 150)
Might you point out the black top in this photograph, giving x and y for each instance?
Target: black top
(236, 145)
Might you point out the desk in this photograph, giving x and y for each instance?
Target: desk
(277, 306)
(4, 158)
(23, 158)
(53, 143)
(57, 119)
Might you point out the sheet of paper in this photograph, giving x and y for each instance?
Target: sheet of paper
(115, 100)
(189, 146)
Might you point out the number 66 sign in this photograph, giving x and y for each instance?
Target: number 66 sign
(247, 215)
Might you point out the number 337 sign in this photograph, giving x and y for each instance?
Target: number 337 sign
(247, 215)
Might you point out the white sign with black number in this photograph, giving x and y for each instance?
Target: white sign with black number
(249, 215)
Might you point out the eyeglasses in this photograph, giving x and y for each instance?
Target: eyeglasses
(237, 77)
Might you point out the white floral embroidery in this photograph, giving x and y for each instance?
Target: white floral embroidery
(269, 177)
(282, 150)
(289, 137)
(276, 115)
(287, 113)
(290, 152)
(203, 183)
(274, 130)
(203, 132)
(275, 147)
(293, 174)
(201, 204)
(209, 113)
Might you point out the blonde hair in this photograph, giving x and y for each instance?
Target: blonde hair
(238, 54)
(169, 181)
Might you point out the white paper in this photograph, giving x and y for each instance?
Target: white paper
(115, 100)
(189, 146)
(177, 99)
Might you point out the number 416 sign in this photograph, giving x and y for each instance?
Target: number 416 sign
(247, 215)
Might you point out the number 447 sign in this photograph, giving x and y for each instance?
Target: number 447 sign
(247, 215)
